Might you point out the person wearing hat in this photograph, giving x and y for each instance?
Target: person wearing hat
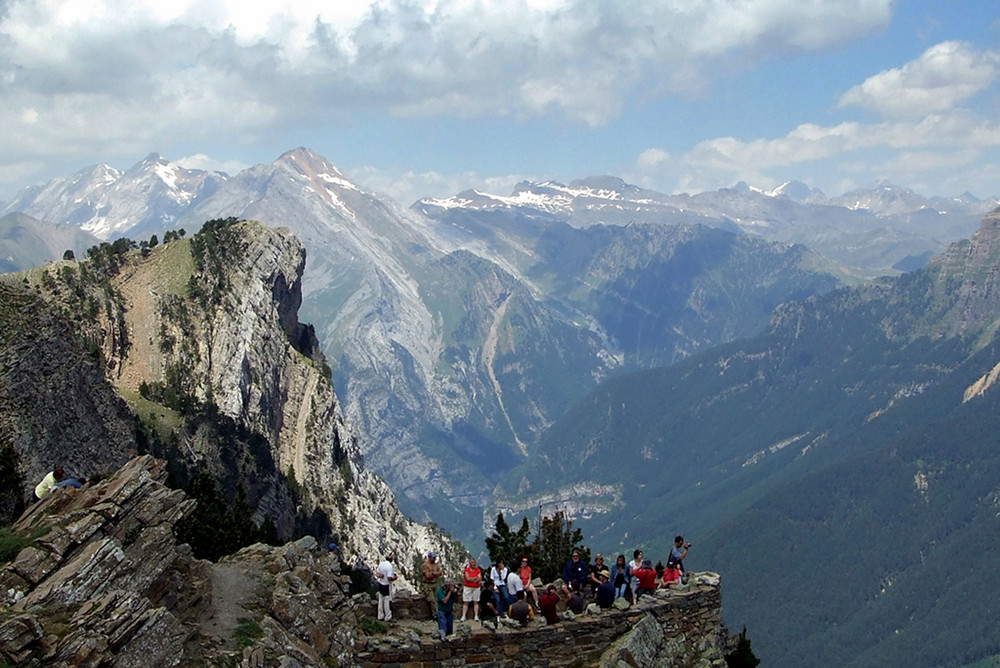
(604, 596)
(430, 581)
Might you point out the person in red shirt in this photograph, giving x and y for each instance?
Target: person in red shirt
(473, 577)
(547, 602)
(647, 579)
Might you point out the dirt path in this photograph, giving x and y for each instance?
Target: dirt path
(231, 589)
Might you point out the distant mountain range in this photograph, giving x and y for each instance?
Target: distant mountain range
(458, 333)
(659, 364)
(459, 329)
(26, 242)
(841, 469)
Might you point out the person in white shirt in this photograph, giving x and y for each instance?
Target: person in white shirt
(385, 575)
(514, 585)
(499, 575)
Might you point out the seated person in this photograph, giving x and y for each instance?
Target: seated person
(575, 603)
(530, 593)
(594, 572)
(670, 574)
(56, 478)
(575, 572)
(547, 602)
(605, 594)
(647, 579)
(520, 611)
(489, 606)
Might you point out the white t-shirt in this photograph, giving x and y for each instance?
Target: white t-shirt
(384, 573)
(499, 577)
(514, 583)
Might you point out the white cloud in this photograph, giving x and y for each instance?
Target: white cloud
(463, 57)
(908, 150)
(943, 77)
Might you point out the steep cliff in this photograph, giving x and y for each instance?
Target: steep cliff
(201, 337)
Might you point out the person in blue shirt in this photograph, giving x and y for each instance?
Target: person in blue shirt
(575, 572)
(677, 554)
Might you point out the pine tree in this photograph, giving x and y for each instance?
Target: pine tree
(742, 656)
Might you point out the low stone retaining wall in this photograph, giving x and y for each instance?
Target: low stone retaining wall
(675, 628)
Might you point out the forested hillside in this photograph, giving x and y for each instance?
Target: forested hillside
(841, 469)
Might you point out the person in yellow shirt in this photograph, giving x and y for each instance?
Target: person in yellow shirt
(56, 478)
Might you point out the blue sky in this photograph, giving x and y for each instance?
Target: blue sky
(430, 97)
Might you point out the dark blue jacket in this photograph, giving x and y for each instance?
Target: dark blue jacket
(575, 572)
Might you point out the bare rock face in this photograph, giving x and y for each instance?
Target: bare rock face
(104, 575)
(105, 584)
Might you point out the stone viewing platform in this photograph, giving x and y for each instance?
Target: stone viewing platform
(678, 627)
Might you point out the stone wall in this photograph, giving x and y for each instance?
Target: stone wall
(676, 628)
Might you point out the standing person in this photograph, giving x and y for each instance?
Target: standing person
(446, 595)
(430, 581)
(385, 576)
(621, 574)
(677, 554)
(472, 577)
(635, 565)
(575, 572)
(530, 593)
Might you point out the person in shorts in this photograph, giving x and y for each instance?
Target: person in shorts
(472, 578)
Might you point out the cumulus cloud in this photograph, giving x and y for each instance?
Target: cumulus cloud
(519, 58)
(943, 77)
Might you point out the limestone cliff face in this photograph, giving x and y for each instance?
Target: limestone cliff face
(228, 332)
(202, 339)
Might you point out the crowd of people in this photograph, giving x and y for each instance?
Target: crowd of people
(500, 591)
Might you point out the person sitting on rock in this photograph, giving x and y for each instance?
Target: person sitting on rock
(520, 611)
(547, 603)
(575, 572)
(56, 478)
(576, 603)
(594, 572)
(605, 594)
(530, 593)
(488, 608)
(647, 580)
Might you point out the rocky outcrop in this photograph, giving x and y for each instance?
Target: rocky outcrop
(206, 346)
(102, 582)
(105, 584)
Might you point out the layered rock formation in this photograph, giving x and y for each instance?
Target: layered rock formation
(202, 338)
(103, 583)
